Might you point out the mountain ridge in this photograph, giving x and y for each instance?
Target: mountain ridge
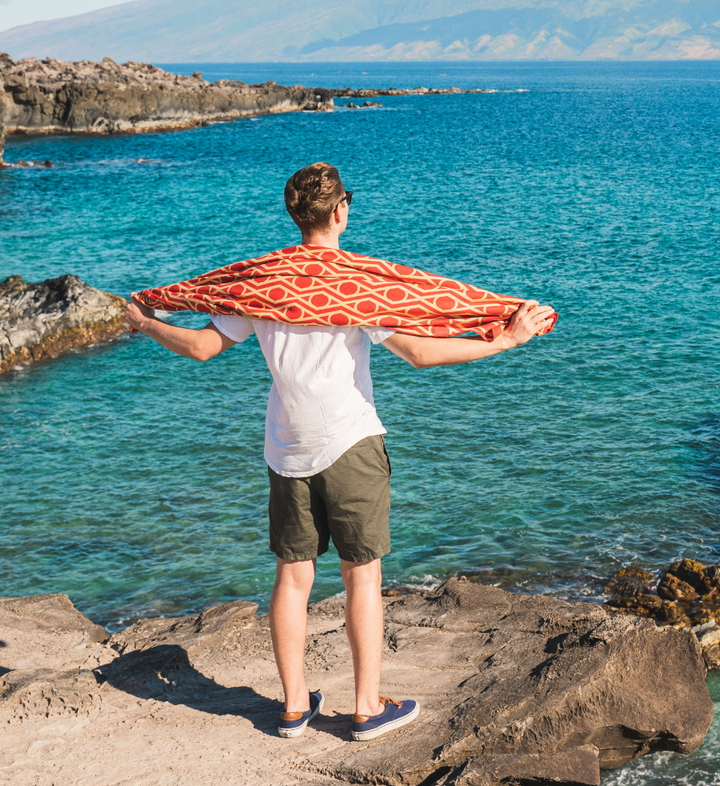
(367, 30)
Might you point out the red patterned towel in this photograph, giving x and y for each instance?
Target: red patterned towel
(311, 285)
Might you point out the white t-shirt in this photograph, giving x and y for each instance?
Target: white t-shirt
(321, 401)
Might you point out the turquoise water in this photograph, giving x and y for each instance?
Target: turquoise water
(133, 479)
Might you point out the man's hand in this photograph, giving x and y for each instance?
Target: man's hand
(137, 314)
(527, 321)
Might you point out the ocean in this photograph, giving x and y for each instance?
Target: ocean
(133, 480)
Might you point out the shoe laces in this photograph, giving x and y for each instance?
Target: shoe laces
(387, 700)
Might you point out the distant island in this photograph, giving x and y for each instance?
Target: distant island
(240, 31)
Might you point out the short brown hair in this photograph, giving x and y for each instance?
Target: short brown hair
(312, 194)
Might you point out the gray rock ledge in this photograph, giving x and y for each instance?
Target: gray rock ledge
(512, 689)
(39, 321)
(54, 96)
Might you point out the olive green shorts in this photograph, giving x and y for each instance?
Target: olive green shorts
(348, 502)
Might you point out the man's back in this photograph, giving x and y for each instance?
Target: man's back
(321, 401)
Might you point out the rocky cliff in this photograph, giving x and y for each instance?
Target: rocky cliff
(39, 321)
(512, 690)
(54, 96)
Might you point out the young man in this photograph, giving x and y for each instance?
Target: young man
(328, 467)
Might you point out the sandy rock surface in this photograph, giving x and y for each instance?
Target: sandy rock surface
(509, 686)
(39, 321)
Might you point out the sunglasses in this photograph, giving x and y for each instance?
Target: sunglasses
(347, 198)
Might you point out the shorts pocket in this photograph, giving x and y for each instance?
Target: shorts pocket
(387, 455)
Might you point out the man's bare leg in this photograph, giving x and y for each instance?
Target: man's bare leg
(364, 626)
(288, 625)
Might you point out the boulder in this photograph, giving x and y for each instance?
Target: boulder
(673, 588)
(512, 689)
(704, 581)
(39, 321)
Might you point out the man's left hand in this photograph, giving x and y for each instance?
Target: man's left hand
(528, 321)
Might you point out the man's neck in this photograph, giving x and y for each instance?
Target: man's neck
(325, 241)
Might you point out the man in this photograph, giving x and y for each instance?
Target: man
(328, 467)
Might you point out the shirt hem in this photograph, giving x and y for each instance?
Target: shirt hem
(341, 448)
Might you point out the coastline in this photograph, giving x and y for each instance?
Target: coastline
(592, 459)
(55, 97)
(511, 687)
(50, 97)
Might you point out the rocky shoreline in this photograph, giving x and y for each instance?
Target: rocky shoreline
(687, 596)
(512, 689)
(54, 96)
(41, 321)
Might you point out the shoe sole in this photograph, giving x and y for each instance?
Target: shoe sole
(298, 730)
(389, 726)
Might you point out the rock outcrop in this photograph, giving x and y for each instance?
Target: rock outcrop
(54, 96)
(39, 321)
(512, 689)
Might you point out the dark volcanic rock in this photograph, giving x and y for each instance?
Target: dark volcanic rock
(52, 96)
(687, 596)
(512, 689)
(40, 321)
(673, 588)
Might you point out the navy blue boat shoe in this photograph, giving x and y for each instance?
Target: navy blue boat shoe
(292, 724)
(394, 715)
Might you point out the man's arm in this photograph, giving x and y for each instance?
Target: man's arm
(422, 351)
(200, 344)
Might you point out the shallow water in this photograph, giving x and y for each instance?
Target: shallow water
(133, 480)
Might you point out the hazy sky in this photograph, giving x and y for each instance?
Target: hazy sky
(24, 12)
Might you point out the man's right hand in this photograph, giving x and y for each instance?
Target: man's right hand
(137, 314)
(527, 321)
